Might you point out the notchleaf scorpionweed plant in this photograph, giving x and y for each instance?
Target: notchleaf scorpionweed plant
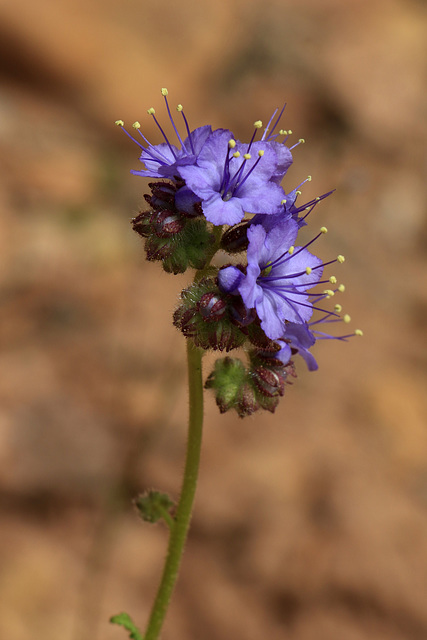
(274, 299)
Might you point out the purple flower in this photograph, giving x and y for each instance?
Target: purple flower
(290, 209)
(162, 160)
(297, 338)
(232, 178)
(277, 278)
(301, 337)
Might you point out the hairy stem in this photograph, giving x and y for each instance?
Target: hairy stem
(178, 533)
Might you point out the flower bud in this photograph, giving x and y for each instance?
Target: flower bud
(235, 239)
(204, 315)
(212, 307)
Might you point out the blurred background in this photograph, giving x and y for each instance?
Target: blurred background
(310, 524)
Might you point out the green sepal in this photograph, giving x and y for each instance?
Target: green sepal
(124, 620)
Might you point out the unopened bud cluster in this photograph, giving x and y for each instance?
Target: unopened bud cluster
(214, 193)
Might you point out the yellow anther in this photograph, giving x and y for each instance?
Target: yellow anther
(282, 132)
(298, 193)
(329, 293)
(247, 156)
(119, 123)
(308, 270)
(341, 288)
(283, 201)
(358, 332)
(289, 132)
(179, 107)
(307, 209)
(346, 318)
(333, 280)
(301, 140)
(323, 230)
(318, 198)
(261, 153)
(258, 124)
(136, 125)
(338, 308)
(151, 111)
(291, 250)
(340, 259)
(164, 92)
(231, 143)
(236, 154)
(309, 178)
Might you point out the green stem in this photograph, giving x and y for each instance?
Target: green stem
(178, 533)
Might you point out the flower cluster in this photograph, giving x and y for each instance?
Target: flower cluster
(213, 193)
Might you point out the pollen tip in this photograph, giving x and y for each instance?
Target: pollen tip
(309, 178)
(329, 293)
(261, 153)
(231, 143)
(291, 250)
(236, 154)
(333, 280)
(247, 156)
(136, 125)
(298, 193)
(283, 132)
(289, 132)
(317, 198)
(283, 201)
(358, 332)
(323, 230)
(340, 259)
(119, 123)
(151, 111)
(346, 318)
(301, 141)
(179, 107)
(341, 288)
(308, 270)
(258, 124)
(164, 91)
(338, 308)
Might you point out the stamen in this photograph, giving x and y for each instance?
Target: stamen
(261, 153)
(164, 94)
(308, 270)
(258, 124)
(333, 280)
(346, 318)
(291, 250)
(323, 230)
(136, 125)
(180, 109)
(151, 112)
(272, 134)
(236, 154)
(358, 332)
(247, 156)
(341, 288)
(340, 259)
(119, 123)
(231, 143)
(338, 308)
(329, 293)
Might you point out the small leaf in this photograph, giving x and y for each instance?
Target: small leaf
(154, 506)
(124, 620)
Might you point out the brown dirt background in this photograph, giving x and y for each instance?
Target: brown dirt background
(310, 524)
